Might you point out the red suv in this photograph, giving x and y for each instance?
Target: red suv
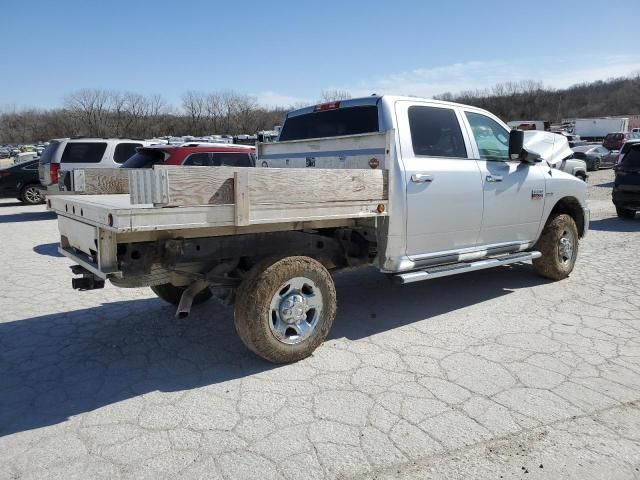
(196, 154)
(614, 141)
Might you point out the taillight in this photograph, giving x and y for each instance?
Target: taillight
(53, 172)
(4, 174)
(616, 159)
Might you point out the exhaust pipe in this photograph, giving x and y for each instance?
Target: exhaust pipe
(186, 300)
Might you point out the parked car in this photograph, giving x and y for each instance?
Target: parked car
(626, 187)
(66, 154)
(21, 181)
(5, 153)
(614, 141)
(595, 156)
(194, 154)
(25, 157)
(623, 151)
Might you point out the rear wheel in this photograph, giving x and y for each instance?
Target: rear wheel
(559, 247)
(285, 307)
(171, 293)
(582, 176)
(30, 194)
(626, 213)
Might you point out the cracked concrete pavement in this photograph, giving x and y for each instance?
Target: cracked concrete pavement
(494, 374)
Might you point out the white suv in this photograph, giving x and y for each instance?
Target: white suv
(66, 154)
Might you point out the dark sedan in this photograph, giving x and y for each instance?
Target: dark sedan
(595, 156)
(21, 181)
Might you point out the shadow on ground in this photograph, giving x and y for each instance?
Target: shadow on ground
(615, 224)
(11, 204)
(65, 364)
(27, 217)
(49, 249)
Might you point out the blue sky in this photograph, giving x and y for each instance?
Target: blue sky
(286, 52)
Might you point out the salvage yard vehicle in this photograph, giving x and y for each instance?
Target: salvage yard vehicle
(21, 181)
(421, 189)
(595, 156)
(626, 187)
(66, 154)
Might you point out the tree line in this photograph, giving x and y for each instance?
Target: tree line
(106, 113)
(531, 100)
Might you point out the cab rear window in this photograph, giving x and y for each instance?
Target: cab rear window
(331, 123)
(83, 152)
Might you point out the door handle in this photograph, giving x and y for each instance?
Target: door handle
(494, 178)
(421, 178)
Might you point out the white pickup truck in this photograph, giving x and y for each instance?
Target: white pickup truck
(419, 188)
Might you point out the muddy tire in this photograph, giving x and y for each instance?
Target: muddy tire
(172, 294)
(284, 308)
(559, 247)
(625, 213)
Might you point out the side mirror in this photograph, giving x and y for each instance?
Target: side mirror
(516, 144)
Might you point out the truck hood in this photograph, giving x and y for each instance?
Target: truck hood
(550, 146)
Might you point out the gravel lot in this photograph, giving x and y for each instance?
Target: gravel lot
(494, 374)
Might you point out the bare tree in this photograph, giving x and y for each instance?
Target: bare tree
(333, 95)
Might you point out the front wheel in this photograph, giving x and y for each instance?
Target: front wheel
(171, 294)
(625, 213)
(31, 195)
(559, 247)
(285, 307)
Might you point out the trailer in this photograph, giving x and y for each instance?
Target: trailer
(598, 128)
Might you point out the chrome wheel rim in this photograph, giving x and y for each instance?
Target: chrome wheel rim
(566, 247)
(32, 195)
(295, 310)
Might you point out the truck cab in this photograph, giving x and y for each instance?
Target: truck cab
(455, 192)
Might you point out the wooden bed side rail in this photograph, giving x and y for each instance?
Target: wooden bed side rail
(247, 186)
(99, 181)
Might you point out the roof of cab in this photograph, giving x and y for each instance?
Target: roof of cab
(370, 100)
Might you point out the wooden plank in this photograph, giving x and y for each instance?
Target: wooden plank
(241, 194)
(215, 185)
(310, 185)
(101, 181)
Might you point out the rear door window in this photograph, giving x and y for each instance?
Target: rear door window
(124, 151)
(231, 159)
(435, 132)
(197, 160)
(331, 123)
(83, 152)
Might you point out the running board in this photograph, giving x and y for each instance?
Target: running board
(463, 267)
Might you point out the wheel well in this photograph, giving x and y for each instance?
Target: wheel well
(571, 206)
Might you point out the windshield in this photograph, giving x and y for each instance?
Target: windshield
(331, 123)
(144, 159)
(49, 152)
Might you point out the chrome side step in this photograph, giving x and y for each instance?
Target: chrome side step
(463, 267)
